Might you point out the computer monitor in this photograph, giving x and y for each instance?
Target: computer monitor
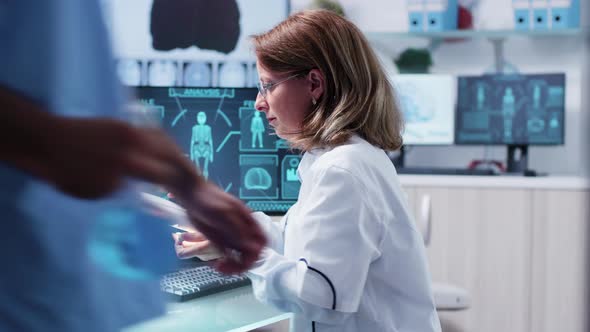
(229, 142)
(513, 110)
(428, 106)
(427, 103)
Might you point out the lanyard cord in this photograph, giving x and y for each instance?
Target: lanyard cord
(329, 283)
(316, 271)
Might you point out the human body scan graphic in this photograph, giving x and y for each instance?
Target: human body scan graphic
(481, 97)
(508, 110)
(202, 144)
(216, 128)
(515, 109)
(257, 129)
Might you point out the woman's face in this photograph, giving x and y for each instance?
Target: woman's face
(286, 104)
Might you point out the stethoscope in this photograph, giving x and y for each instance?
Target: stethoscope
(315, 270)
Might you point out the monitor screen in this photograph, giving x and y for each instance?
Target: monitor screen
(229, 142)
(191, 30)
(428, 106)
(197, 43)
(511, 109)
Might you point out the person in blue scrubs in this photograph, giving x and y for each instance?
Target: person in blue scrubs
(65, 157)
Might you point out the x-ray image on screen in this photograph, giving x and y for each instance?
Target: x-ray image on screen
(162, 73)
(129, 71)
(189, 30)
(511, 109)
(428, 106)
(197, 73)
(210, 25)
(229, 142)
(232, 74)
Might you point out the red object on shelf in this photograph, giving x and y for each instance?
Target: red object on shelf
(465, 19)
(464, 22)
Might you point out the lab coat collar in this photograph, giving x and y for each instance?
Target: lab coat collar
(306, 161)
(311, 156)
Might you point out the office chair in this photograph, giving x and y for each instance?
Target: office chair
(446, 296)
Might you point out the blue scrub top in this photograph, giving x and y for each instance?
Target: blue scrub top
(58, 53)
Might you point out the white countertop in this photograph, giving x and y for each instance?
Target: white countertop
(506, 181)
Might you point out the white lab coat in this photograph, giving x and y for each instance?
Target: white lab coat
(351, 222)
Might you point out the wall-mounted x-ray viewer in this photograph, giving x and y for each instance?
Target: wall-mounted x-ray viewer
(229, 142)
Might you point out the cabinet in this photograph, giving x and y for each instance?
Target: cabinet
(560, 269)
(518, 249)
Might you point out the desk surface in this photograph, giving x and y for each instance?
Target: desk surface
(235, 310)
(503, 181)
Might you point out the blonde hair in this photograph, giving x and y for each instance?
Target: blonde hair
(358, 98)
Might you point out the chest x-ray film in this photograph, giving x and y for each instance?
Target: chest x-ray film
(428, 106)
(229, 142)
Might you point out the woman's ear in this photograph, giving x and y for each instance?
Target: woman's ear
(317, 83)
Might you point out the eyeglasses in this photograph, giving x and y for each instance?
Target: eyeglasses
(264, 87)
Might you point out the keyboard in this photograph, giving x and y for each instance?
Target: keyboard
(444, 171)
(269, 206)
(193, 282)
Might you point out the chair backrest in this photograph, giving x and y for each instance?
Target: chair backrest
(446, 296)
(424, 220)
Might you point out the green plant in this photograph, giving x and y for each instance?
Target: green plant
(331, 5)
(414, 61)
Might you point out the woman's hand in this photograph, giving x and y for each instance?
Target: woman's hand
(188, 245)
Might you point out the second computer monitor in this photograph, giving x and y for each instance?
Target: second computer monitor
(428, 106)
(229, 142)
(511, 109)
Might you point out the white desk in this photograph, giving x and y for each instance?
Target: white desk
(235, 310)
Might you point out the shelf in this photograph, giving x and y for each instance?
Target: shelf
(493, 34)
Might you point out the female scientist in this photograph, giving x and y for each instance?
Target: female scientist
(346, 256)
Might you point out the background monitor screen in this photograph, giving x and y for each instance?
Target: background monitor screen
(428, 106)
(511, 109)
(229, 141)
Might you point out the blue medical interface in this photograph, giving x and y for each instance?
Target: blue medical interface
(229, 142)
(511, 109)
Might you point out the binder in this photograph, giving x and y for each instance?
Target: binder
(522, 14)
(564, 14)
(441, 15)
(416, 15)
(540, 10)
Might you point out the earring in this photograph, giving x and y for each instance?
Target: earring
(313, 101)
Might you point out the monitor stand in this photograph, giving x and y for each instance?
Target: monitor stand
(399, 160)
(517, 158)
